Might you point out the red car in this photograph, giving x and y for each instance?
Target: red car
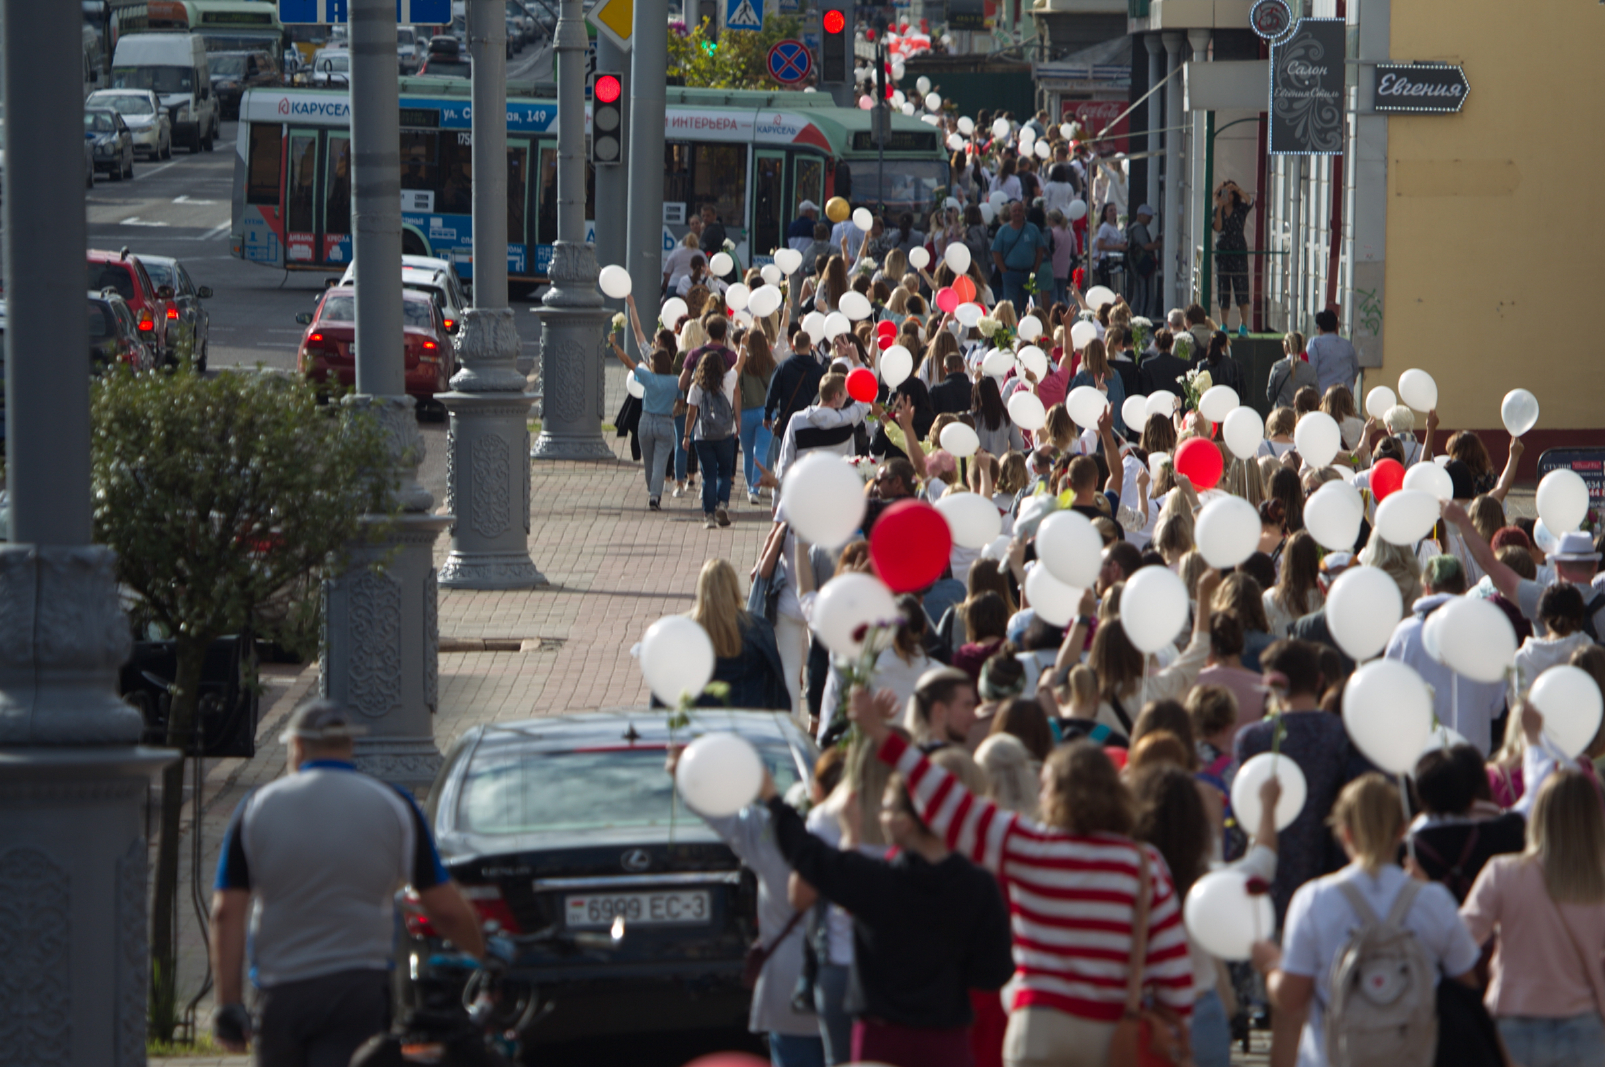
(152, 306)
(327, 346)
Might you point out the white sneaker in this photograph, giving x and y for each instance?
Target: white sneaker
(753, 498)
(679, 490)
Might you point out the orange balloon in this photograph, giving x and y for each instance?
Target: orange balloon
(965, 288)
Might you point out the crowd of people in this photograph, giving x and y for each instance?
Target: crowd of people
(1091, 782)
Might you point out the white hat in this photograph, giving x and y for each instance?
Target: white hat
(1574, 547)
(807, 205)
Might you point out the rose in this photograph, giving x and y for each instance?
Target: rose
(618, 323)
(988, 326)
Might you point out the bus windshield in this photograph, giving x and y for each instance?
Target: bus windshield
(230, 65)
(157, 79)
(910, 184)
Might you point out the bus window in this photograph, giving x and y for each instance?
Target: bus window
(419, 155)
(517, 189)
(337, 186)
(267, 150)
(719, 178)
(909, 185)
(769, 201)
(810, 183)
(547, 232)
(677, 175)
(456, 175)
(302, 180)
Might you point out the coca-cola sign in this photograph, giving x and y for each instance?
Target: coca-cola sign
(1439, 88)
(1307, 90)
(1093, 115)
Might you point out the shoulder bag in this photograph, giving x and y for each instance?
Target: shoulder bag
(758, 955)
(1153, 1036)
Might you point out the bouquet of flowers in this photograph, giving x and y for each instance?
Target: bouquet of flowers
(1183, 347)
(994, 330)
(1194, 384)
(618, 323)
(858, 672)
(864, 466)
(1142, 332)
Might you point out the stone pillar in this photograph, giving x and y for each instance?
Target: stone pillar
(1365, 215)
(1197, 197)
(573, 351)
(1155, 116)
(1173, 263)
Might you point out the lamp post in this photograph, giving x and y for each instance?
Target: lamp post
(648, 62)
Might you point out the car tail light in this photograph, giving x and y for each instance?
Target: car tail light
(430, 346)
(488, 903)
(451, 324)
(145, 320)
(172, 313)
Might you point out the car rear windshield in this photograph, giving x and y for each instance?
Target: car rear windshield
(339, 307)
(446, 68)
(102, 323)
(234, 65)
(158, 272)
(514, 790)
(126, 103)
(418, 313)
(111, 275)
(99, 121)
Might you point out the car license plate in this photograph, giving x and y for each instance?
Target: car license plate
(600, 909)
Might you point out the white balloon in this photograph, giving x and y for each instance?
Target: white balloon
(1086, 405)
(1041, 149)
(923, 84)
(1317, 438)
(1153, 608)
(1099, 295)
(863, 219)
(957, 257)
(1429, 635)
(998, 199)
(1255, 773)
(1082, 333)
(1519, 411)
(1030, 328)
(1078, 210)
(814, 326)
(1332, 514)
(997, 363)
(933, 101)
(737, 295)
(1224, 918)
(1000, 128)
(1227, 531)
(1134, 412)
(955, 143)
(823, 499)
(1362, 608)
(1027, 134)
(1071, 548)
(1544, 538)
(1430, 478)
(1406, 516)
(788, 260)
(1418, 390)
(1475, 638)
(907, 108)
(743, 318)
(855, 306)
(959, 440)
(614, 281)
(1562, 500)
(674, 309)
(719, 774)
(676, 658)
(1243, 430)
(918, 258)
(967, 314)
(972, 519)
(1442, 461)
(771, 274)
(898, 98)
(847, 602)
(1162, 402)
(1218, 402)
(1052, 600)
(898, 71)
(632, 385)
(966, 125)
(1066, 130)
(896, 364)
(1027, 411)
(988, 213)
(1379, 400)
(1388, 712)
(836, 324)
(720, 264)
(1569, 699)
(1034, 360)
(766, 299)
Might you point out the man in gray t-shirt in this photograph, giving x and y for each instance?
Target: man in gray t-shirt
(1575, 561)
(323, 851)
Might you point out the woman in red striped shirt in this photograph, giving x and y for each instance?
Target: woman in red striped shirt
(1072, 882)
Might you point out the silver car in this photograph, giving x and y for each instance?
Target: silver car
(148, 122)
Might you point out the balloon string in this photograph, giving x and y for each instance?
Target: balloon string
(1404, 802)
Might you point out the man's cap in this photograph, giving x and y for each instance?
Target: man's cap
(807, 205)
(1145, 210)
(1442, 570)
(1574, 547)
(321, 720)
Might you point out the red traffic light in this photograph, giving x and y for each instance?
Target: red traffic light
(835, 22)
(606, 89)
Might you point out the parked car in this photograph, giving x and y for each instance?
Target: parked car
(432, 277)
(328, 345)
(570, 824)
(148, 122)
(112, 141)
(235, 72)
(148, 302)
(189, 327)
(446, 59)
(331, 69)
(114, 334)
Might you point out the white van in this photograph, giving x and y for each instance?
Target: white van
(173, 65)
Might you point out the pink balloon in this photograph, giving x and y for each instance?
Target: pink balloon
(947, 300)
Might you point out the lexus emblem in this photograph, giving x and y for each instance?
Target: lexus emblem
(636, 860)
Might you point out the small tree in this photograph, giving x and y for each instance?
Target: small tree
(218, 495)
(738, 60)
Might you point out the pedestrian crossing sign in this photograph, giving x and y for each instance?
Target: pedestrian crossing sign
(743, 15)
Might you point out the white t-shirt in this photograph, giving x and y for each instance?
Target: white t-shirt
(1320, 921)
(1108, 231)
(695, 394)
(677, 264)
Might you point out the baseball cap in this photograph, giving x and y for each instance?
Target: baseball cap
(1145, 210)
(1574, 547)
(321, 720)
(807, 205)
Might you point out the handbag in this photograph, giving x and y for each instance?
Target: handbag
(763, 598)
(757, 955)
(1152, 1036)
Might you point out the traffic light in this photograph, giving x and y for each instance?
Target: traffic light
(607, 119)
(836, 48)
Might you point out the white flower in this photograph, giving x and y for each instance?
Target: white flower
(1146, 324)
(618, 322)
(988, 326)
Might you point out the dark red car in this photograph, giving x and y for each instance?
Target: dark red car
(152, 306)
(328, 345)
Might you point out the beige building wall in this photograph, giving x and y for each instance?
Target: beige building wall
(1496, 233)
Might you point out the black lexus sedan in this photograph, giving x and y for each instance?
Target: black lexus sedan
(569, 824)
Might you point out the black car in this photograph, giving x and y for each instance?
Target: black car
(445, 59)
(112, 140)
(234, 72)
(114, 335)
(189, 326)
(569, 824)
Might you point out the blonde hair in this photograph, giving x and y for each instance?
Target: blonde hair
(895, 265)
(959, 764)
(1399, 419)
(1004, 312)
(1487, 515)
(692, 335)
(1282, 421)
(1193, 566)
(1268, 466)
(1058, 429)
(718, 608)
(1083, 687)
(1010, 772)
(1292, 343)
(1400, 563)
(1369, 809)
(1243, 478)
(1566, 835)
(1173, 533)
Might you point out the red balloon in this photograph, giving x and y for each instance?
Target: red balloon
(965, 288)
(910, 545)
(947, 300)
(728, 1059)
(885, 341)
(1387, 478)
(886, 328)
(1201, 461)
(862, 386)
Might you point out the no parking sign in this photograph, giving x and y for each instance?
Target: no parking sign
(790, 62)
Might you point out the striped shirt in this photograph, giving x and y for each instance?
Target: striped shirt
(1072, 899)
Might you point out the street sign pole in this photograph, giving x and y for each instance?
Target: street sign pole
(571, 313)
(488, 478)
(648, 63)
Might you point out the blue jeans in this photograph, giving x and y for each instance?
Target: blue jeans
(754, 443)
(1014, 287)
(656, 434)
(1061, 290)
(716, 457)
(1575, 1042)
(835, 1025)
(795, 1050)
(1211, 1032)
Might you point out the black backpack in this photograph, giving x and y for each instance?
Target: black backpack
(715, 418)
(1142, 261)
